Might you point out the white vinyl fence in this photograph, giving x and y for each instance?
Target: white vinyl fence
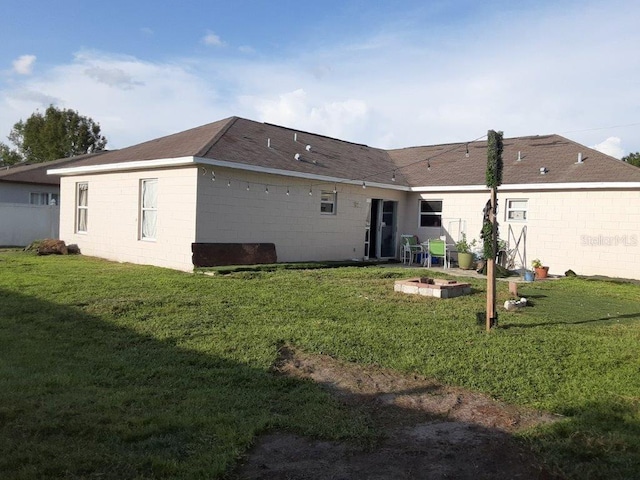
(21, 224)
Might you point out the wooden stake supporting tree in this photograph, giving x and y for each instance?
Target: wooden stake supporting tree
(490, 226)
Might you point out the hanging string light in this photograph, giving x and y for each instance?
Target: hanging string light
(427, 160)
(298, 157)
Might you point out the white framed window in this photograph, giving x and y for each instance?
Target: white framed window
(328, 202)
(430, 213)
(148, 208)
(44, 198)
(516, 210)
(82, 206)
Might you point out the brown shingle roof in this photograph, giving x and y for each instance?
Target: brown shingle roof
(183, 144)
(37, 172)
(245, 142)
(557, 155)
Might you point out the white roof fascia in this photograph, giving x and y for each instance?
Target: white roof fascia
(289, 173)
(458, 188)
(183, 161)
(571, 186)
(112, 167)
(533, 186)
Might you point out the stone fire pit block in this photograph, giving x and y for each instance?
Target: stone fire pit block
(439, 288)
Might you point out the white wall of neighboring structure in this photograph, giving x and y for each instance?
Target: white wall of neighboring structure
(14, 192)
(592, 232)
(294, 222)
(21, 223)
(113, 226)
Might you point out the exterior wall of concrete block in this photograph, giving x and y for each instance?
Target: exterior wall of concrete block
(294, 222)
(113, 230)
(593, 232)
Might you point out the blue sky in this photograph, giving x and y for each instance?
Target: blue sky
(388, 74)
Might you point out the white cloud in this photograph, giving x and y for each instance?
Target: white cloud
(339, 118)
(611, 146)
(168, 98)
(23, 65)
(212, 40)
(32, 96)
(445, 88)
(283, 109)
(114, 77)
(246, 49)
(550, 71)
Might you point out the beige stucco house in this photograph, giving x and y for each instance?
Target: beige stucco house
(312, 197)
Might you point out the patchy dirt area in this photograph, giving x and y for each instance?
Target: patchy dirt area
(429, 431)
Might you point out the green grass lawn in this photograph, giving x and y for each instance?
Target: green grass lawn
(121, 371)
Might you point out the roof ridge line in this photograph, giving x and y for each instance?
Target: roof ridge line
(209, 145)
(470, 142)
(592, 149)
(297, 130)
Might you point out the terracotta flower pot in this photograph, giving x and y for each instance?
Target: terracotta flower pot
(541, 272)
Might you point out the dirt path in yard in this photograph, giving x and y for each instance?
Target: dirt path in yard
(429, 431)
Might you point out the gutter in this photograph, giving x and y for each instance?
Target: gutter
(113, 167)
(532, 186)
(191, 160)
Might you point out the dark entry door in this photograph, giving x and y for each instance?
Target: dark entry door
(380, 238)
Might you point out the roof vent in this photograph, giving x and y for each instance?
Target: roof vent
(308, 148)
(268, 143)
(580, 158)
(295, 136)
(543, 170)
(519, 156)
(297, 156)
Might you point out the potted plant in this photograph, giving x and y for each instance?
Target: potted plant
(465, 257)
(541, 271)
